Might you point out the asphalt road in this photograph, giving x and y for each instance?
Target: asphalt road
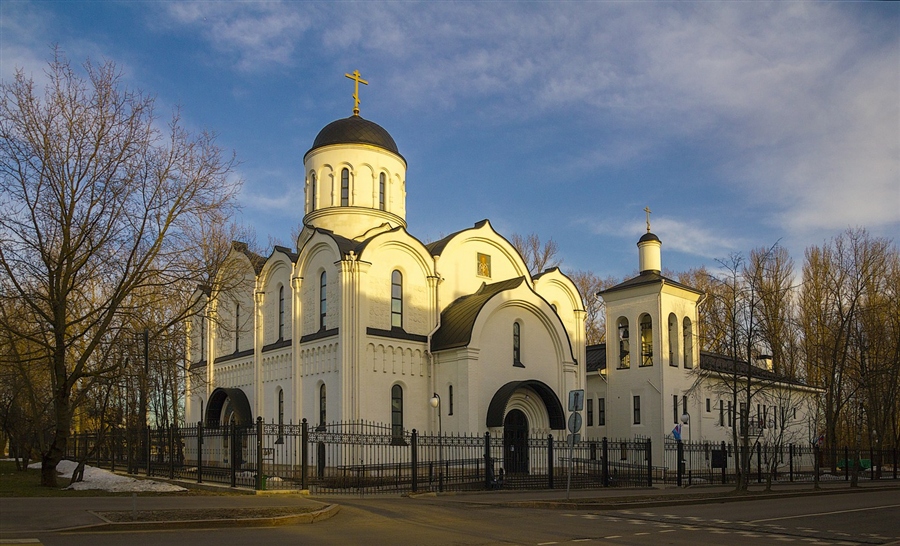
(871, 517)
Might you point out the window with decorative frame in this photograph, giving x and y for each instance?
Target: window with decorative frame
(624, 349)
(396, 299)
(323, 299)
(345, 187)
(381, 189)
(646, 324)
(397, 412)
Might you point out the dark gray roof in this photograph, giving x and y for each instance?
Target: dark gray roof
(596, 357)
(287, 252)
(647, 277)
(354, 130)
(649, 237)
(458, 319)
(435, 248)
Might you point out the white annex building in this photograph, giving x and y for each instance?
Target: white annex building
(361, 321)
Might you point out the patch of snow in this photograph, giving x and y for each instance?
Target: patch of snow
(97, 478)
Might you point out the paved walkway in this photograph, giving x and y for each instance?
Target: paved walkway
(20, 516)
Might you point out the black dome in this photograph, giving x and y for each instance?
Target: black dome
(649, 237)
(355, 130)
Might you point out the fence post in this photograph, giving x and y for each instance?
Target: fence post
(414, 458)
(846, 464)
(148, 439)
(550, 461)
(649, 464)
(724, 464)
(260, 477)
(171, 452)
(679, 456)
(304, 454)
(816, 466)
(604, 463)
(232, 430)
(200, 451)
(488, 467)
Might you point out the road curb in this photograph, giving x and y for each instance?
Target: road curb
(321, 514)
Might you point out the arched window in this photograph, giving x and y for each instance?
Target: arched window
(322, 404)
(517, 345)
(688, 334)
(323, 304)
(345, 187)
(237, 327)
(280, 313)
(312, 192)
(646, 340)
(381, 187)
(624, 349)
(673, 340)
(396, 299)
(397, 411)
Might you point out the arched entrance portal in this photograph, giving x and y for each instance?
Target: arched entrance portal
(515, 442)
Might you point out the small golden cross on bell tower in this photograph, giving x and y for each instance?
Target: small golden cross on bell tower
(647, 210)
(357, 80)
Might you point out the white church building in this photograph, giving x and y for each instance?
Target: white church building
(362, 321)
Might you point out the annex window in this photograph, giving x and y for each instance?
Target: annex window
(646, 340)
(237, 327)
(396, 299)
(323, 303)
(708, 405)
(601, 412)
(721, 413)
(397, 412)
(673, 340)
(517, 345)
(688, 333)
(450, 388)
(322, 404)
(280, 312)
(381, 188)
(589, 408)
(345, 187)
(675, 409)
(312, 192)
(624, 350)
(637, 409)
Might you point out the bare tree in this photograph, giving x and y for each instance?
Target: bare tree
(589, 285)
(101, 205)
(538, 256)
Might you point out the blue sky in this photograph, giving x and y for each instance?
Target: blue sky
(738, 123)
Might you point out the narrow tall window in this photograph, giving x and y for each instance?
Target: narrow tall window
(280, 417)
(675, 409)
(312, 192)
(721, 413)
(688, 334)
(381, 185)
(323, 304)
(624, 350)
(590, 412)
(322, 404)
(202, 337)
(397, 411)
(237, 327)
(451, 400)
(345, 187)
(684, 410)
(517, 345)
(601, 412)
(673, 340)
(637, 410)
(396, 299)
(280, 312)
(646, 340)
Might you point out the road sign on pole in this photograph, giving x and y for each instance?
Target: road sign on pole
(576, 400)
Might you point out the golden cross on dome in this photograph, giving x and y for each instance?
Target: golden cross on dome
(647, 210)
(357, 80)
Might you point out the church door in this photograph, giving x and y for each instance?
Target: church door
(515, 442)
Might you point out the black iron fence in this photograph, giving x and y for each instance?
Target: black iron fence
(367, 458)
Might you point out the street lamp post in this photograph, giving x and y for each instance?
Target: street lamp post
(436, 403)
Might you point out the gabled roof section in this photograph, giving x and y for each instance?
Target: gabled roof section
(645, 278)
(458, 319)
(344, 244)
(255, 259)
(287, 252)
(437, 247)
